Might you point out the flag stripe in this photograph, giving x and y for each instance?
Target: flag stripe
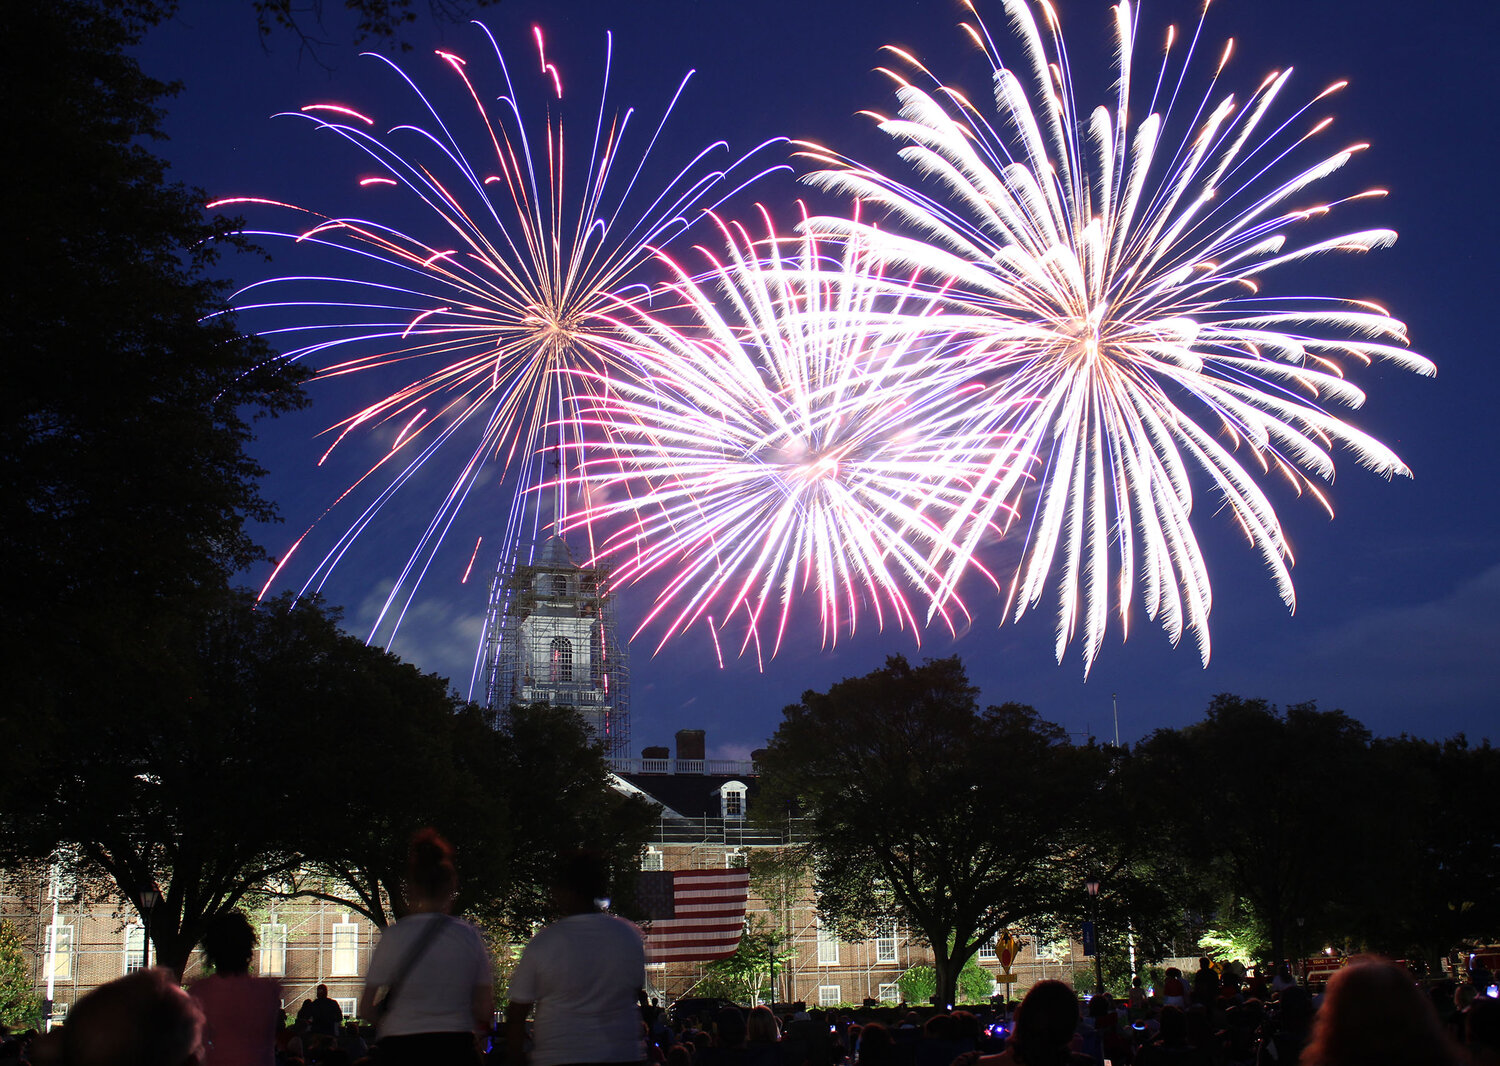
(709, 915)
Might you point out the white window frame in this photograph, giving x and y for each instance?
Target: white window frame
(732, 800)
(350, 1007)
(828, 945)
(889, 993)
(271, 955)
(830, 995)
(653, 859)
(344, 958)
(560, 661)
(885, 942)
(987, 949)
(135, 938)
(60, 947)
(736, 859)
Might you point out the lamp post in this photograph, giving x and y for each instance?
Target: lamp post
(148, 897)
(1301, 947)
(1092, 887)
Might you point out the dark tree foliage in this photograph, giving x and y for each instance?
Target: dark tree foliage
(922, 807)
(228, 776)
(510, 796)
(1432, 871)
(1270, 804)
(125, 486)
(1126, 839)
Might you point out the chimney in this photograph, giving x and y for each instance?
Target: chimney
(657, 752)
(690, 744)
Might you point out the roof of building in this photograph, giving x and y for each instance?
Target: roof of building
(554, 553)
(688, 795)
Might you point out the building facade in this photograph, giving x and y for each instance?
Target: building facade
(703, 824)
(77, 935)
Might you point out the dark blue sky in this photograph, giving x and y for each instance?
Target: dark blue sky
(1398, 616)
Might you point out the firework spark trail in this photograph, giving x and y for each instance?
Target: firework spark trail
(1109, 279)
(799, 435)
(507, 287)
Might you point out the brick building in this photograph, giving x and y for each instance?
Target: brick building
(703, 804)
(79, 935)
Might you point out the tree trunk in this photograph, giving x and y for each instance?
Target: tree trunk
(172, 950)
(947, 979)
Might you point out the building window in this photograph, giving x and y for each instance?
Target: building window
(890, 993)
(651, 859)
(987, 949)
(562, 659)
(830, 995)
(1057, 948)
(732, 800)
(885, 941)
(345, 950)
(62, 951)
(558, 585)
(272, 950)
(135, 947)
(350, 1007)
(736, 859)
(828, 945)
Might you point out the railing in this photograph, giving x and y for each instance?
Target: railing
(731, 767)
(729, 831)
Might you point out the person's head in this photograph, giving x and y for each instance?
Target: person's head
(966, 1025)
(229, 942)
(1482, 1030)
(940, 1027)
(876, 1048)
(761, 1027)
(580, 878)
(431, 874)
(322, 991)
(730, 1027)
(1045, 1023)
(1373, 1015)
(143, 1019)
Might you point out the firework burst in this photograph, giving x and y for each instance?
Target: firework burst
(486, 310)
(795, 433)
(1107, 272)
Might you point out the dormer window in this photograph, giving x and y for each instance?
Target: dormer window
(732, 800)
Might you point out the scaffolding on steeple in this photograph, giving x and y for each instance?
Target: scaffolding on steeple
(551, 637)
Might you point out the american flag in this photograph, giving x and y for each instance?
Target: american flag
(693, 915)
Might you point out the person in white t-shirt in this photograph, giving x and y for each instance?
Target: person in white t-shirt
(584, 974)
(434, 969)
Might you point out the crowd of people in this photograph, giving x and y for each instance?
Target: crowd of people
(429, 993)
(1372, 1013)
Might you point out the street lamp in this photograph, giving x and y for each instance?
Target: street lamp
(148, 897)
(1092, 887)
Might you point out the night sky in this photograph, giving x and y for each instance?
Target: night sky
(1398, 613)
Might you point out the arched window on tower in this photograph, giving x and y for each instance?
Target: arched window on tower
(562, 659)
(558, 585)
